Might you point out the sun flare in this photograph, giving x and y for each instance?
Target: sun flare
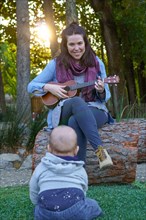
(43, 34)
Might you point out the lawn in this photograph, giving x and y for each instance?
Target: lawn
(119, 202)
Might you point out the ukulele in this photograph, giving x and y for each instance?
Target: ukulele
(71, 87)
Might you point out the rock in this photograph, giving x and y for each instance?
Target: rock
(21, 151)
(10, 157)
(27, 163)
(125, 142)
(4, 164)
(9, 160)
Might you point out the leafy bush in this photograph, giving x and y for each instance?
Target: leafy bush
(14, 133)
(34, 127)
(12, 130)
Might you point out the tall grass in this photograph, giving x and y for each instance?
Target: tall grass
(131, 111)
(14, 133)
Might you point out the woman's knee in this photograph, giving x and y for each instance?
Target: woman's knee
(72, 122)
(77, 100)
(79, 105)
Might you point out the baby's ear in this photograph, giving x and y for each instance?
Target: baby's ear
(49, 148)
(76, 150)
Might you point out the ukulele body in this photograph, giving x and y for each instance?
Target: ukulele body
(50, 100)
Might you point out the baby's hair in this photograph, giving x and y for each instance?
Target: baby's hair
(63, 139)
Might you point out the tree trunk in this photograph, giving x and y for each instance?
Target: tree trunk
(128, 65)
(49, 15)
(113, 49)
(23, 60)
(126, 146)
(141, 81)
(71, 12)
(130, 79)
(2, 96)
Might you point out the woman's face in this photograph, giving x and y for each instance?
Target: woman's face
(76, 46)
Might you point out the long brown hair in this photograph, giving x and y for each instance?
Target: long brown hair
(88, 58)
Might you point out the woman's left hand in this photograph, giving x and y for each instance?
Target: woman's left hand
(99, 86)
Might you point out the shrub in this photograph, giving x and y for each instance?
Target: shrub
(14, 133)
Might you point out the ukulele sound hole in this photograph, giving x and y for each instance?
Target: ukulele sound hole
(67, 88)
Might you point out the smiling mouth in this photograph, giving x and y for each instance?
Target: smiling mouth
(77, 54)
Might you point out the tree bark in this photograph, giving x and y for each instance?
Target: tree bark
(71, 12)
(49, 15)
(128, 65)
(23, 60)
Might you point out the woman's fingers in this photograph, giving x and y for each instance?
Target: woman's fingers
(60, 92)
(99, 85)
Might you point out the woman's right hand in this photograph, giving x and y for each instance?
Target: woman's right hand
(56, 89)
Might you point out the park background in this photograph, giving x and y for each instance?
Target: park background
(30, 36)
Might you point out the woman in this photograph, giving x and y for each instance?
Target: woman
(84, 113)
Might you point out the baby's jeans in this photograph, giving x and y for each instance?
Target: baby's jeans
(86, 209)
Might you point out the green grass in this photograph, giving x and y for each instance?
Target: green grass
(119, 202)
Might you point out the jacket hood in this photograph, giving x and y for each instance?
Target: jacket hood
(59, 165)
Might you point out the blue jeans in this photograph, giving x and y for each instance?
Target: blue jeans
(85, 120)
(86, 209)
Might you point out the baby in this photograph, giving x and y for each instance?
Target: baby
(59, 183)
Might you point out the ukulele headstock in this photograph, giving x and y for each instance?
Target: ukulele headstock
(112, 79)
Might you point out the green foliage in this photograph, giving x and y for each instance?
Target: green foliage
(39, 53)
(134, 110)
(8, 12)
(35, 126)
(130, 17)
(13, 133)
(8, 67)
(119, 202)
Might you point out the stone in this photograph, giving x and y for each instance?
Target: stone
(4, 164)
(27, 163)
(10, 160)
(10, 157)
(21, 151)
(16, 164)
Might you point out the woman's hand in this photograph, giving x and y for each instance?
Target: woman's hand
(57, 90)
(99, 86)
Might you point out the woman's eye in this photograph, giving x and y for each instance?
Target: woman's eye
(71, 44)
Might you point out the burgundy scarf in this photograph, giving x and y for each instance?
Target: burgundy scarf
(64, 75)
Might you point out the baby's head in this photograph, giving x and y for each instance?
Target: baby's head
(63, 141)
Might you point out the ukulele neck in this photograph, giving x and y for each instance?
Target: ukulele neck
(79, 86)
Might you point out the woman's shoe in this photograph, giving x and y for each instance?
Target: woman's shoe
(104, 158)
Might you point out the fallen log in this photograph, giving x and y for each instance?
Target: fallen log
(125, 142)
